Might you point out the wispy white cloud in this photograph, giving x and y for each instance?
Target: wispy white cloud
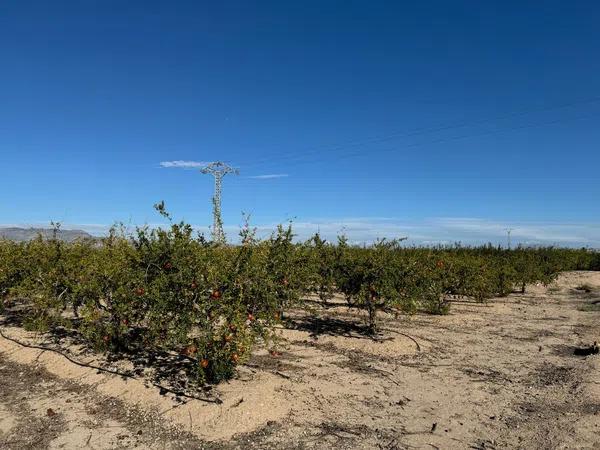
(179, 164)
(433, 231)
(269, 176)
(526, 232)
(443, 231)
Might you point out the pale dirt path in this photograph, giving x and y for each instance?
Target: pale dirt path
(488, 376)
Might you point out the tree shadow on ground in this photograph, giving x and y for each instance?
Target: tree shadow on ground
(330, 326)
(171, 372)
(323, 304)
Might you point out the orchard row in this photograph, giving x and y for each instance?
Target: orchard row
(170, 290)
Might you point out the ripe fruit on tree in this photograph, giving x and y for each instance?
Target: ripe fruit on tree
(140, 291)
(190, 350)
(250, 317)
(204, 363)
(168, 266)
(215, 294)
(235, 358)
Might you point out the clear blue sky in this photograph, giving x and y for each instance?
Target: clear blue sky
(437, 120)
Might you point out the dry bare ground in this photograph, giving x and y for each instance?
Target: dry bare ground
(501, 375)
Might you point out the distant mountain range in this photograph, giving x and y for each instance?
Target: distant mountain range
(26, 234)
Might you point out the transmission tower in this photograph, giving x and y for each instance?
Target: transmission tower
(218, 170)
(508, 231)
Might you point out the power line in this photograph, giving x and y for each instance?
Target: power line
(491, 132)
(348, 155)
(293, 156)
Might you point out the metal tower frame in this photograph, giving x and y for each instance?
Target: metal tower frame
(218, 169)
(508, 232)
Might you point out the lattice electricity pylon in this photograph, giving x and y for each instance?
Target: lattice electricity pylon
(218, 170)
(508, 231)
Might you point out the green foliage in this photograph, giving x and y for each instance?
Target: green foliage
(322, 259)
(170, 290)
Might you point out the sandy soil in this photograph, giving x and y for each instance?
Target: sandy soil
(495, 376)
